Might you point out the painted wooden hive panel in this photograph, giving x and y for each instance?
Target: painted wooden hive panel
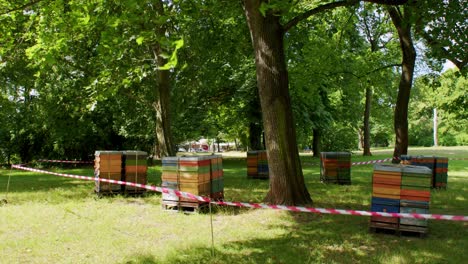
(107, 165)
(199, 175)
(335, 167)
(257, 164)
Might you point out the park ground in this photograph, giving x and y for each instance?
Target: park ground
(49, 219)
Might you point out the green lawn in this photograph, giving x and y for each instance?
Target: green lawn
(51, 219)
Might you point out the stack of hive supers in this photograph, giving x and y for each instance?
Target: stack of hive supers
(257, 164)
(216, 179)
(262, 165)
(415, 196)
(187, 174)
(252, 164)
(438, 166)
(440, 173)
(135, 170)
(335, 167)
(170, 178)
(107, 165)
(386, 184)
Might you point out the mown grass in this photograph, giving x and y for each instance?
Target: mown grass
(51, 219)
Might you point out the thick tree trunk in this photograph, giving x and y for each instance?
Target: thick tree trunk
(255, 126)
(286, 179)
(316, 142)
(366, 129)
(255, 136)
(161, 103)
(403, 25)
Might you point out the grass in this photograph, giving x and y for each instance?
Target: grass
(51, 219)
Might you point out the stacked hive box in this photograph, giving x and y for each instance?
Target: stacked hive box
(415, 197)
(108, 165)
(386, 182)
(438, 166)
(440, 172)
(201, 175)
(257, 164)
(216, 178)
(135, 170)
(335, 167)
(400, 189)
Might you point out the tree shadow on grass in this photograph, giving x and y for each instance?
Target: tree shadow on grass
(318, 239)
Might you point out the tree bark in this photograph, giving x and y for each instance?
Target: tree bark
(255, 126)
(162, 90)
(402, 23)
(316, 142)
(366, 128)
(287, 184)
(255, 136)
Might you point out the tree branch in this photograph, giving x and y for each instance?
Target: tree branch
(316, 10)
(435, 44)
(382, 68)
(20, 7)
(333, 5)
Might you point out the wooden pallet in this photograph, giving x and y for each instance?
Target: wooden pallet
(399, 230)
(376, 226)
(410, 230)
(185, 207)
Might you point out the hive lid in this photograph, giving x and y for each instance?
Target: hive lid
(107, 152)
(135, 153)
(388, 167)
(416, 169)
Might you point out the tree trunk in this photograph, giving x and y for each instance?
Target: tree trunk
(402, 23)
(161, 103)
(366, 128)
(316, 142)
(286, 179)
(255, 136)
(255, 126)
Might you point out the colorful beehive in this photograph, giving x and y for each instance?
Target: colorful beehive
(438, 166)
(135, 170)
(199, 175)
(400, 189)
(440, 173)
(415, 197)
(217, 178)
(257, 164)
(386, 182)
(107, 165)
(335, 167)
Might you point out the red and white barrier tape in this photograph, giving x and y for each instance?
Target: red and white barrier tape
(67, 161)
(256, 205)
(371, 161)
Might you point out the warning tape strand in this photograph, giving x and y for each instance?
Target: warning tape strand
(255, 205)
(66, 161)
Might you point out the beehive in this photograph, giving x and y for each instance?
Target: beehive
(257, 164)
(107, 165)
(437, 165)
(335, 167)
(415, 196)
(386, 182)
(400, 189)
(198, 175)
(217, 178)
(135, 170)
(440, 173)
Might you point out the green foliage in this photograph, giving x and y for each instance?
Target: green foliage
(447, 94)
(339, 138)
